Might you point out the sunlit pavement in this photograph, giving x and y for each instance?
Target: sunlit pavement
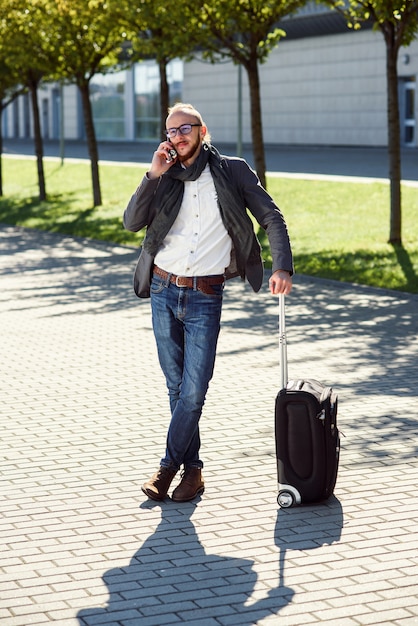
(84, 417)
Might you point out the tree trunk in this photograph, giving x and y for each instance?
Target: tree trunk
(256, 121)
(39, 150)
(164, 95)
(394, 139)
(1, 149)
(91, 141)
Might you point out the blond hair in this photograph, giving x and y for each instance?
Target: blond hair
(183, 107)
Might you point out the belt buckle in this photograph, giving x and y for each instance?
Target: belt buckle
(177, 281)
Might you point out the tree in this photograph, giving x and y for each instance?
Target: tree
(245, 31)
(32, 80)
(64, 39)
(163, 32)
(85, 39)
(397, 20)
(23, 67)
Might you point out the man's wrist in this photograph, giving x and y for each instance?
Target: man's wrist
(151, 175)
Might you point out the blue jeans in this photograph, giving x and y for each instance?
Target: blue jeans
(186, 325)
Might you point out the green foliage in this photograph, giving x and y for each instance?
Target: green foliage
(10, 78)
(70, 39)
(160, 30)
(397, 19)
(88, 37)
(338, 230)
(244, 29)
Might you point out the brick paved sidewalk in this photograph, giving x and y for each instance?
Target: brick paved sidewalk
(84, 414)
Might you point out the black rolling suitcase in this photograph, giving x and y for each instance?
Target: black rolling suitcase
(307, 438)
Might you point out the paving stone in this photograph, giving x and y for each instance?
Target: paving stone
(85, 416)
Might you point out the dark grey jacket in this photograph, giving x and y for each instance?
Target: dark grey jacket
(142, 208)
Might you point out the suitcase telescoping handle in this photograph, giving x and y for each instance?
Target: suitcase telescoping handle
(282, 342)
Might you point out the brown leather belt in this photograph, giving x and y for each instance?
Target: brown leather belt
(202, 283)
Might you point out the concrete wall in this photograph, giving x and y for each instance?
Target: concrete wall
(317, 90)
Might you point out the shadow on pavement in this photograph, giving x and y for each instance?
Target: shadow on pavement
(98, 275)
(172, 574)
(302, 529)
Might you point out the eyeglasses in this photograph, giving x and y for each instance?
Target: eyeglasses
(184, 129)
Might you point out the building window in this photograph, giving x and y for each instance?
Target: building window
(107, 95)
(147, 101)
(147, 95)
(407, 111)
(111, 98)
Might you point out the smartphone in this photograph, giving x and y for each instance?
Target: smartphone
(172, 154)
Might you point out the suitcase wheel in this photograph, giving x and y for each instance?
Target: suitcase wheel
(285, 499)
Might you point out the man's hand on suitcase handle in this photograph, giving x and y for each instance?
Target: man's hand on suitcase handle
(280, 282)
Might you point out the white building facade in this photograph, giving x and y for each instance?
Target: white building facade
(323, 85)
(328, 89)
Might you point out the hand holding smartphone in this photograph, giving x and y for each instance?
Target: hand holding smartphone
(162, 160)
(172, 154)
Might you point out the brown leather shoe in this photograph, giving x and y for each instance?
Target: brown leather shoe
(190, 486)
(158, 485)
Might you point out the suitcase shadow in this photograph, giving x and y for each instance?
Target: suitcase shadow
(172, 576)
(305, 528)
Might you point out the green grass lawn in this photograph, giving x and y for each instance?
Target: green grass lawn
(338, 230)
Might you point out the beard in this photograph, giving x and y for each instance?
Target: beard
(194, 147)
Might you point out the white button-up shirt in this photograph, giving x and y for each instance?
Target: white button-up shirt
(197, 244)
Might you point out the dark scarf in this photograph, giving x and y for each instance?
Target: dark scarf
(232, 207)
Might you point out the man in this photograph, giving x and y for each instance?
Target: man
(193, 203)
